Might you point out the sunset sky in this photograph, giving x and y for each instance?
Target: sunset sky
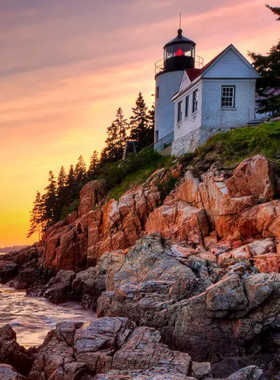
(67, 65)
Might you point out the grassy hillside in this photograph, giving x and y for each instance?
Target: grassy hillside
(230, 148)
(226, 149)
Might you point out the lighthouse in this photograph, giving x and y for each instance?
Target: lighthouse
(179, 54)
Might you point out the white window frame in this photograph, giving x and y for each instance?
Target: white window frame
(228, 96)
(179, 112)
(195, 101)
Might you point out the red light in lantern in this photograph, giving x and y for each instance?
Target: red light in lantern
(179, 53)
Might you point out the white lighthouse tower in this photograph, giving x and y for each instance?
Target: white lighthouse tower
(179, 54)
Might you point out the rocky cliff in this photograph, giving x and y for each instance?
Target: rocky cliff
(186, 285)
(215, 210)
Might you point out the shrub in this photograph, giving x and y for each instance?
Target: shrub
(73, 206)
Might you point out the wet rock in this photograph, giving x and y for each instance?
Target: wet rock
(59, 288)
(8, 271)
(12, 353)
(25, 279)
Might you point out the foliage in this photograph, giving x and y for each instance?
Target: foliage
(141, 125)
(233, 146)
(166, 187)
(268, 66)
(114, 174)
(73, 206)
(116, 139)
(93, 165)
(36, 217)
(147, 163)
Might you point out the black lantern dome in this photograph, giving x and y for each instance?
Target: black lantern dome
(179, 53)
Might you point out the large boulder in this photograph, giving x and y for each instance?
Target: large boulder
(8, 271)
(97, 341)
(148, 279)
(56, 350)
(59, 288)
(88, 286)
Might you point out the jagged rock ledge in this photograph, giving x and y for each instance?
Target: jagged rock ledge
(103, 349)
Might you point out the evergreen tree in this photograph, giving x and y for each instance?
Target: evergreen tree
(116, 139)
(49, 202)
(122, 126)
(268, 66)
(140, 128)
(70, 186)
(80, 171)
(61, 193)
(36, 217)
(94, 163)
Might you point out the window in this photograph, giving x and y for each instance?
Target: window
(187, 101)
(179, 112)
(195, 101)
(228, 96)
(157, 92)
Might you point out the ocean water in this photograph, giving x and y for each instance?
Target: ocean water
(32, 318)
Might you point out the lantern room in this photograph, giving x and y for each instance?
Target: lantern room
(179, 53)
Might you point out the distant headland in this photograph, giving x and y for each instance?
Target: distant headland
(12, 249)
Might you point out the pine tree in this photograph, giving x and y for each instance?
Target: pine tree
(49, 202)
(61, 193)
(268, 66)
(94, 163)
(140, 127)
(80, 170)
(36, 217)
(122, 126)
(275, 10)
(70, 185)
(116, 139)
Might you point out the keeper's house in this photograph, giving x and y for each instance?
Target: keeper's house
(210, 99)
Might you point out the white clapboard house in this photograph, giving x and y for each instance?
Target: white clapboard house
(193, 101)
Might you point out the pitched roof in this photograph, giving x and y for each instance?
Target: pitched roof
(195, 73)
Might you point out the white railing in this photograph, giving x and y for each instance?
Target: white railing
(159, 65)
